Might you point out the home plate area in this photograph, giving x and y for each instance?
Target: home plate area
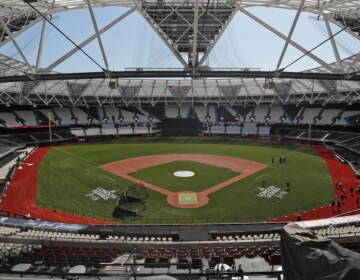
(187, 198)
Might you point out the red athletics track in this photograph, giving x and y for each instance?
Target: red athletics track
(339, 172)
(20, 196)
(21, 193)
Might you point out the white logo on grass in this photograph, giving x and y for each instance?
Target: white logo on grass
(270, 192)
(101, 193)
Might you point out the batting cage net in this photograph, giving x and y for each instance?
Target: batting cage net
(131, 202)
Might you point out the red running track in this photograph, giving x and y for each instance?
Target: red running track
(339, 172)
(20, 196)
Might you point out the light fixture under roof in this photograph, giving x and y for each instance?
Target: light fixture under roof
(114, 84)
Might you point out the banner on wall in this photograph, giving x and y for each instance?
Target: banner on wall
(6, 221)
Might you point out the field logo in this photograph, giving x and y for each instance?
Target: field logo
(270, 192)
(101, 193)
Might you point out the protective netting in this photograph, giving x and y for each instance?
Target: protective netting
(131, 201)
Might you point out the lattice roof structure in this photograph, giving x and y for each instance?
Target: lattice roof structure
(190, 29)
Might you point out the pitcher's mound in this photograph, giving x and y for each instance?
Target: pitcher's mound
(184, 174)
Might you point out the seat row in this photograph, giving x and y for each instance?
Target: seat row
(56, 235)
(244, 236)
(8, 230)
(331, 231)
(68, 255)
(142, 238)
(193, 257)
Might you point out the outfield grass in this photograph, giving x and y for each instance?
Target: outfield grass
(68, 173)
(205, 176)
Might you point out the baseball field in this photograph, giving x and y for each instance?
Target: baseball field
(225, 180)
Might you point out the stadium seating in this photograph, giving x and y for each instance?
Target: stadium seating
(38, 234)
(231, 110)
(338, 232)
(276, 112)
(92, 131)
(171, 111)
(108, 129)
(233, 128)
(64, 115)
(79, 132)
(128, 116)
(314, 134)
(217, 128)
(328, 116)
(264, 130)
(249, 128)
(8, 163)
(245, 236)
(254, 250)
(81, 116)
(70, 116)
(344, 120)
(28, 117)
(194, 257)
(156, 112)
(213, 113)
(144, 237)
(260, 113)
(68, 255)
(307, 115)
(322, 135)
(185, 110)
(9, 119)
(201, 112)
(6, 231)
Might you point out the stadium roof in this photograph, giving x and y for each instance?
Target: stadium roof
(53, 6)
(190, 29)
(186, 27)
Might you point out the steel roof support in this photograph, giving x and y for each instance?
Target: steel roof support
(194, 56)
(166, 42)
(290, 34)
(353, 63)
(41, 44)
(213, 43)
(333, 44)
(90, 39)
(153, 74)
(93, 19)
(15, 34)
(8, 32)
(284, 37)
(338, 24)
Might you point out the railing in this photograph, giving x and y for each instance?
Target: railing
(210, 274)
(349, 213)
(186, 269)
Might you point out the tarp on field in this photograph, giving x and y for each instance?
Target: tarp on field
(308, 256)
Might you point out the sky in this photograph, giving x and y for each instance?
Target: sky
(132, 43)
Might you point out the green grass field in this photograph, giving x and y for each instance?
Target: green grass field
(205, 176)
(68, 173)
